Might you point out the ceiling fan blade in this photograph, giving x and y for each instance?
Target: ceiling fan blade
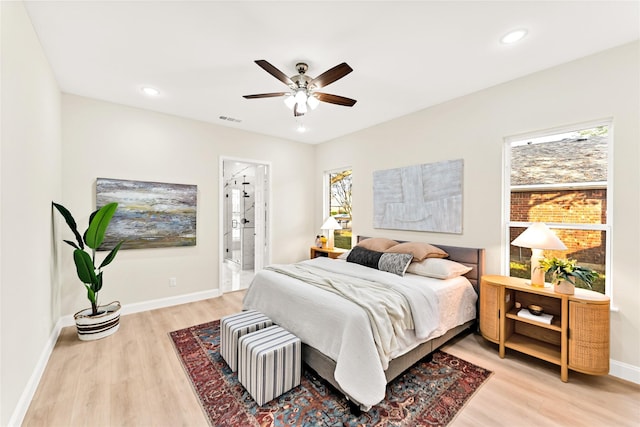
(335, 99)
(330, 76)
(274, 72)
(265, 95)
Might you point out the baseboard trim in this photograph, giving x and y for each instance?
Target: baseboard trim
(155, 304)
(32, 385)
(624, 371)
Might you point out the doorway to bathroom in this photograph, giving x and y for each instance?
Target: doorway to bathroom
(244, 212)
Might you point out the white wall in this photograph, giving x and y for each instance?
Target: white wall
(108, 140)
(30, 179)
(100, 139)
(53, 147)
(474, 127)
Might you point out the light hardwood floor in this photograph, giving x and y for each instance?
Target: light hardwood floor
(134, 378)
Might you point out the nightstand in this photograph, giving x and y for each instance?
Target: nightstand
(577, 337)
(325, 252)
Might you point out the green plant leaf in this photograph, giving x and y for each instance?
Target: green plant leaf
(111, 255)
(84, 267)
(70, 222)
(98, 285)
(73, 244)
(98, 225)
(91, 296)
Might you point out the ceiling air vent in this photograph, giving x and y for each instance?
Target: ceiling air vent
(230, 119)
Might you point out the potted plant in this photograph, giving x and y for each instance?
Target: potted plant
(565, 272)
(98, 321)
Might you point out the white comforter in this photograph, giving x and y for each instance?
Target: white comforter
(339, 328)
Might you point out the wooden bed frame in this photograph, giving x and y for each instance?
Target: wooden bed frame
(325, 366)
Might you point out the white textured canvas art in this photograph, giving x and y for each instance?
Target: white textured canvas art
(425, 197)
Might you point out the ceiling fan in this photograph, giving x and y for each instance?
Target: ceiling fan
(303, 88)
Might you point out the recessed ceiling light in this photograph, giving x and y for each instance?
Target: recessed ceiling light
(513, 36)
(150, 91)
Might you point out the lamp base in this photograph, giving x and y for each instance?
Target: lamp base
(330, 240)
(537, 273)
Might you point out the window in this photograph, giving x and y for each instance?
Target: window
(338, 204)
(561, 178)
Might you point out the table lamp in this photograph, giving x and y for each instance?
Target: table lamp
(329, 225)
(538, 237)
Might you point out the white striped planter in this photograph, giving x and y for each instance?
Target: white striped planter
(105, 323)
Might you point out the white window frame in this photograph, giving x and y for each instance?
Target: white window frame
(607, 228)
(326, 191)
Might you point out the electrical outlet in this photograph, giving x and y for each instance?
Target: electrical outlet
(172, 282)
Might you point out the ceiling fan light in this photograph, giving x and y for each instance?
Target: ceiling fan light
(313, 102)
(301, 97)
(302, 108)
(290, 101)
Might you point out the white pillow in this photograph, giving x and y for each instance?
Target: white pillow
(344, 255)
(438, 268)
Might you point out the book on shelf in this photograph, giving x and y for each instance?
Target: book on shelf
(542, 318)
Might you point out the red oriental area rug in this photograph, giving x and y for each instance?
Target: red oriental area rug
(428, 394)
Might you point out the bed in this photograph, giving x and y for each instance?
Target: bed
(340, 342)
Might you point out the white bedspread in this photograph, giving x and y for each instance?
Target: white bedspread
(387, 305)
(341, 329)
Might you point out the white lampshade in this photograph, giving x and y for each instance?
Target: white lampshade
(301, 109)
(290, 101)
(301, 97)
(313, 102)
(538, 237)
(330, 224)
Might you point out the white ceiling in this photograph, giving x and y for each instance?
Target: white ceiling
(406, 56)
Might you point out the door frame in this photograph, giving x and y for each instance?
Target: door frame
(221, 212)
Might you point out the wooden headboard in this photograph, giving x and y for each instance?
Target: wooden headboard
(472, 257)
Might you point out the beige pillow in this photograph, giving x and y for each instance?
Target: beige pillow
(438, 268)
(419, 250)
(379, 244)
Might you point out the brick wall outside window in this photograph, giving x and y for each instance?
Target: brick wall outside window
(587, 206)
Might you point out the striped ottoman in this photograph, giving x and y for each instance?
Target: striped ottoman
(234, 326)
(269, 363)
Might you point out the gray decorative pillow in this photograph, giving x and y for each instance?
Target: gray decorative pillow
(392, 263)
(395, 263)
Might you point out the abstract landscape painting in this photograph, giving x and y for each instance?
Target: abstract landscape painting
(425, 197)
(149, 214)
